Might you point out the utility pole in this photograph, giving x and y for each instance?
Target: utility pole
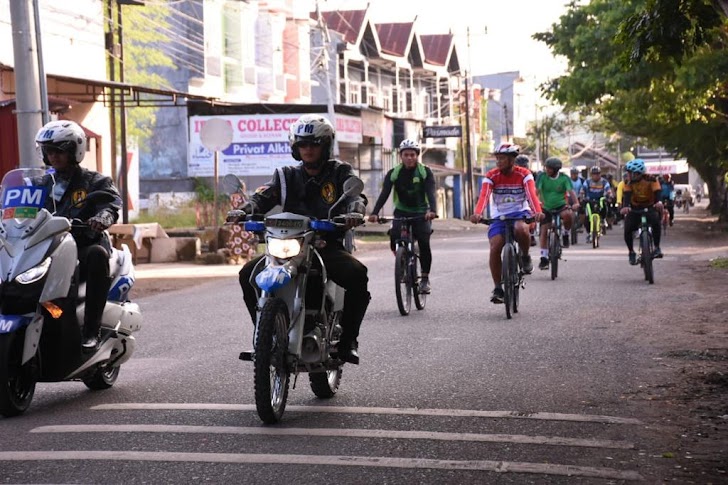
(505, 115)
(324, 64)
(110, 45)
(27, 101)
(122, 121)
(46, 116)
(468, 158)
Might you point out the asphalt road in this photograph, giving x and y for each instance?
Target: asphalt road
(451, 394)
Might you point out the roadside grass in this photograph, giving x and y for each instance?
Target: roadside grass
(719, 263)
(372, 236)
(168, 219)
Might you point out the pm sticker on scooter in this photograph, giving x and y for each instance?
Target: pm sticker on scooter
(23, 202)
(11, 323)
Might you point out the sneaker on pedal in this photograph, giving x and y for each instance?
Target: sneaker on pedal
(526, 264)
(497, 296)
(632, 258)
(588, 238)
(657, 253)
(544, 263)
(565, 240)
(425, 286)
(533, 240)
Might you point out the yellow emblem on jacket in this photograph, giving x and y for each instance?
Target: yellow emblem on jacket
(77, 196)
(328, 193)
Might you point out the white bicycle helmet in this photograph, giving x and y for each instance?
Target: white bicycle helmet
(62, 135)
(312, 128)
(507, 149)
(409, 144)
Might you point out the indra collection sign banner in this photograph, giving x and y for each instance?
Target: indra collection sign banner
(259, 146)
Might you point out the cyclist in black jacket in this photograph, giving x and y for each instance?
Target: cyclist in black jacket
(310, 189)
(414, 195)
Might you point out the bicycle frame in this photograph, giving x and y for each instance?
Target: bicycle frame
(646, 239)
(405, 245)
(553, 239)
(595, 220)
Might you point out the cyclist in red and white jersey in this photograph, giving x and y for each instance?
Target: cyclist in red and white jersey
(514, 195)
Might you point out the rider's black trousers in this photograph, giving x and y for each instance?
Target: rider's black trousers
(94, 270)
(632, 222)
(421, 231)
(344, 269)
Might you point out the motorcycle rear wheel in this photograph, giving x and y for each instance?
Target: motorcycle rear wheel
(17, 383)
(271, 368)
(325, 384)
(103, 378)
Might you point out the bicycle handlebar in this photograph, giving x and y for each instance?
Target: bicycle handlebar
(384, 220)
(526, 219)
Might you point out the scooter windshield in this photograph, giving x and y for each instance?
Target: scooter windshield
(24, 192)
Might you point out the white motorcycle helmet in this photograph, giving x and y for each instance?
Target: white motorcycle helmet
(312, 128)
(62, 135)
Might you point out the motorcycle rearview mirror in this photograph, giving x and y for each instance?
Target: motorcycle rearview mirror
(231, 184)
(353, 186)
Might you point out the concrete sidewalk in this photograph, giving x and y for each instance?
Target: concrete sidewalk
(194, 270)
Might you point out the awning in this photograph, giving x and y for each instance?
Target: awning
(108, 92)
(667, 166)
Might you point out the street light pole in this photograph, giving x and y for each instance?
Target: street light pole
(468, 158)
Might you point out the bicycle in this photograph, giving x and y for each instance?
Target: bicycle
(647, 246)
(406, 266)
(511, 271)
(554, 242)
(596, 229)
(665, 219)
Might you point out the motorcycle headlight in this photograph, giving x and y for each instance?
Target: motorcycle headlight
(35, 273)
(283, 248)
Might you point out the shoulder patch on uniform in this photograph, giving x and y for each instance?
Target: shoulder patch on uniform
(328, 192)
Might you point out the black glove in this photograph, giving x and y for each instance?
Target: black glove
(101, 221)
(235, 215)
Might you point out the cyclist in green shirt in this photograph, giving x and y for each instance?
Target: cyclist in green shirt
(413, 185)
(554, 188)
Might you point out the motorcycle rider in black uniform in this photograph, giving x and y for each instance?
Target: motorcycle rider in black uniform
(310, 189)
(63, 146)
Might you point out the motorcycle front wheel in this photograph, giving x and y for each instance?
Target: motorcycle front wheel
(17, 382)
(271, 368)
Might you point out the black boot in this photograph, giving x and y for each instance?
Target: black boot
(95, 302)
(348, 348)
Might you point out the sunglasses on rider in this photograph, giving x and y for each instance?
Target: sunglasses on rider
(308, 144)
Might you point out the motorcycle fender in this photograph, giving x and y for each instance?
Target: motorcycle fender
(58, 279)
(32, 338)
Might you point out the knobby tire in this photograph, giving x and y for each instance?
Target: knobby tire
(271, 372)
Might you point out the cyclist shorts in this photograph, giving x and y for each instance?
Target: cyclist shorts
(547, 214)
(498, 227)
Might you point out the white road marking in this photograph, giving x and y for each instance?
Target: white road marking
(338, 433)
(467, 413)
(318, 460)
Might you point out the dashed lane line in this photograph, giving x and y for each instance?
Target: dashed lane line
(317, 460)
(468, 413)
(338, 433)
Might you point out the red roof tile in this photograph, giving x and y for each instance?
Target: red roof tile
(394, 38)
(349, 23)
(436, 48)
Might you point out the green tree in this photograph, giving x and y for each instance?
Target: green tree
(145, 34)
(653, 69)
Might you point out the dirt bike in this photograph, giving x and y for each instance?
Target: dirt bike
(300, 309)
(42, 299)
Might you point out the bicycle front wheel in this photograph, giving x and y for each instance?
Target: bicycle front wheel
(402, 282)
(595, 230)
(646, 247)
(554, 249)
(508, 278)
